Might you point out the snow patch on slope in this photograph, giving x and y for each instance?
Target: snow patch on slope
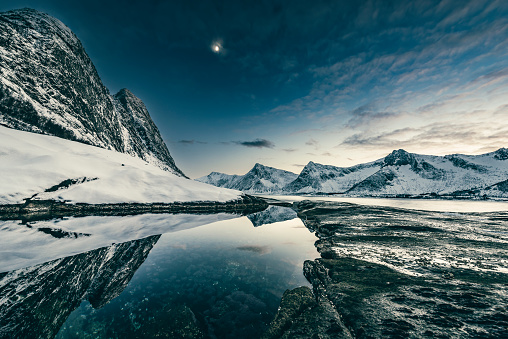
(31, 163)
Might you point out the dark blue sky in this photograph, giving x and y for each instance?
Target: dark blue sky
(336, 82)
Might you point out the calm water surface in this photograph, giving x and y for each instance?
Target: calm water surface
(229, 274)
(221, 280)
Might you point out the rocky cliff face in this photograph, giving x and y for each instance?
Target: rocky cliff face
(49, 85)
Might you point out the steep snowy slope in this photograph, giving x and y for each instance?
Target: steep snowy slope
(49, 85)
(47, 167)
(260, 179)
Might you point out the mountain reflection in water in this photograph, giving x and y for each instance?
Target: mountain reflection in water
(221, 280)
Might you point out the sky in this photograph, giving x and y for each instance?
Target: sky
(232, 83)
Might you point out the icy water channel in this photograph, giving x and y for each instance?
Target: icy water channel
(217, 276)
(436, 205)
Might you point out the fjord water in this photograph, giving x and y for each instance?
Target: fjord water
(437, 205)
(224, 279)
(222, 276)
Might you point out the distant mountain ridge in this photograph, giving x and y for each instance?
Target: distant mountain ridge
(400, 173)
(49, 85)
(260, 179)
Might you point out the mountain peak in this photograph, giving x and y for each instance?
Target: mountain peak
(501, 154)
(400, 157)
(29, 19)
(124, 92)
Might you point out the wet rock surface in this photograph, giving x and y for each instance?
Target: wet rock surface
(402, 273)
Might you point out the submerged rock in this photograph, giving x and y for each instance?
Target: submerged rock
(300, 315)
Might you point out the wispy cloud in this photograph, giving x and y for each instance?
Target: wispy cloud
(445, 136)
(258, 143)
(312, 142)
(432, 66)
(191, 142)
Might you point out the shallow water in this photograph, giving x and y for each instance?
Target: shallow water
(223, 280)
(440, 205)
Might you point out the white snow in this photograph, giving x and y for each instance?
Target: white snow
(31, 163)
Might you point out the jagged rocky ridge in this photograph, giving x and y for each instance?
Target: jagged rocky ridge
(49, 85)
(398, 174)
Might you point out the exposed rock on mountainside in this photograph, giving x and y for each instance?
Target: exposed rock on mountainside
(316, 178)
(49, 85)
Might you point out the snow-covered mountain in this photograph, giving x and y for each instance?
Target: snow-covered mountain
(49, 85)
(406, 173)
(260, 179)
(398, 174)
(220, 179)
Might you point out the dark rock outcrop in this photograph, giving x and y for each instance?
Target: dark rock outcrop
(300, 315)
(400, 158)
(501, 154)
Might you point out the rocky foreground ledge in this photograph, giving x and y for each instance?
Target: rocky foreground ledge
(396, 273)
(33, 210)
